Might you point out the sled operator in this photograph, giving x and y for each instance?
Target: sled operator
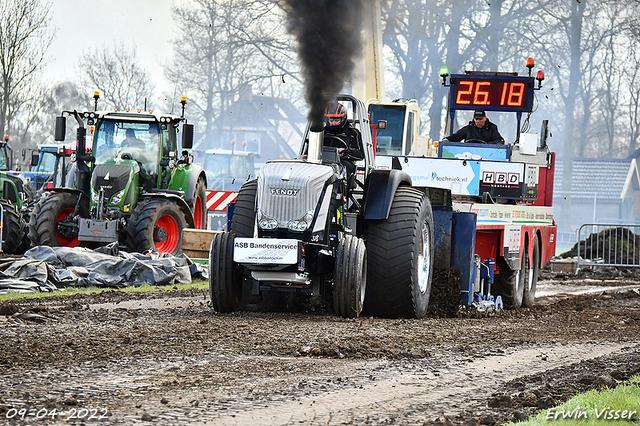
(479, 129)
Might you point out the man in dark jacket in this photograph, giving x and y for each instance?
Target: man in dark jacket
(340, 134)
(480, 129)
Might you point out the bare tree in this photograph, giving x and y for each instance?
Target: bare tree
(118, 76)
(222, 48)
(423, 36)
(39, 116)
(24, 40)
(631, 77)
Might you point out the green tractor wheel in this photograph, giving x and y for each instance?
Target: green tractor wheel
(51, 222)
(156, 224)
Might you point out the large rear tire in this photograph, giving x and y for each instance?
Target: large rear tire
(511, 285)
(244, 213)
(156, 224)
(225, 282)
(400, 253)
(199, 205)
(531, 276)
(50, 214)
(350, 277)
(13, 228)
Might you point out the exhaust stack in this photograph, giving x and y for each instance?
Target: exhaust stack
(316, 140)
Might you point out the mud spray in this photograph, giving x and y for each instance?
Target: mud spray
(328, 39)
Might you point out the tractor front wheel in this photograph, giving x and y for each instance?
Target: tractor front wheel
(350, 277)
(156, 224)
(51, 222)
(225, 282)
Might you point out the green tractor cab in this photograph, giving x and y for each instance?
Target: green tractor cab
(130, 185)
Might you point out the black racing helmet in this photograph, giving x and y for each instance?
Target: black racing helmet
(335, 110)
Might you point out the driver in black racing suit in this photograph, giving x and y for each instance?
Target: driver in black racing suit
(480, 129)
(338, 126)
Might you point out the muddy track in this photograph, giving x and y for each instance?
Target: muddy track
(166, 358)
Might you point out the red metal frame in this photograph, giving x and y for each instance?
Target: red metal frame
(489, 240)
(545, 184)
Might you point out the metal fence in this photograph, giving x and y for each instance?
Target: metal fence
(608, 245)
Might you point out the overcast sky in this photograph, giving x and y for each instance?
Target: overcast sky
(82, 25)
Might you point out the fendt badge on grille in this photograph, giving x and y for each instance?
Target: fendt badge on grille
(283, 191)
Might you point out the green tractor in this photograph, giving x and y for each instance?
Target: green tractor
(129, 186)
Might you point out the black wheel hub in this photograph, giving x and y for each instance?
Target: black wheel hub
(67, 228)
(159, 234)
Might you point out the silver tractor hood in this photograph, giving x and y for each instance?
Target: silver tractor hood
(288, 193)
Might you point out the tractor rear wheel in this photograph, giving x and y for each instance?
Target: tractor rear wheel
(51, 221)
(510, 285)
(350, 277)
(244, 213)
(199, 205)
(531, 276)
(156, 224)
(225, 282)
(13, 228)
(400, 252)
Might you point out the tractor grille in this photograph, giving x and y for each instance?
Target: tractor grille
(117, 178)
(298, 193)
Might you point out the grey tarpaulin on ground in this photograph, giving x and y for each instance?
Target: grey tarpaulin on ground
(49, 268)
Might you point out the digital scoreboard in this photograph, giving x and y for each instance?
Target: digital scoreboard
(491, 92)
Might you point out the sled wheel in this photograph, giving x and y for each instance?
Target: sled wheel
(531, 276)
(511, 285)
(244, 213)
(199, 206)
(400, 258)
(13, 228)
(156, 224)
(225, 283)
(51, 221)
(350, 277)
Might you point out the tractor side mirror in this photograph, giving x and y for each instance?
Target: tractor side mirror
(34, 159)
(187, 136)
(61, 128)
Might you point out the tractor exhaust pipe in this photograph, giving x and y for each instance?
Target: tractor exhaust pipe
(316, 139)
(83, 173)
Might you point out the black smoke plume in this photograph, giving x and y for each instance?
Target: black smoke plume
(328, 38)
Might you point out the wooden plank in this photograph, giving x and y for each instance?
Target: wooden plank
(197, 254)
(196, 242)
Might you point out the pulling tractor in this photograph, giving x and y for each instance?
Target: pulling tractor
(482, 210)
(130, 186)
(304, 227)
